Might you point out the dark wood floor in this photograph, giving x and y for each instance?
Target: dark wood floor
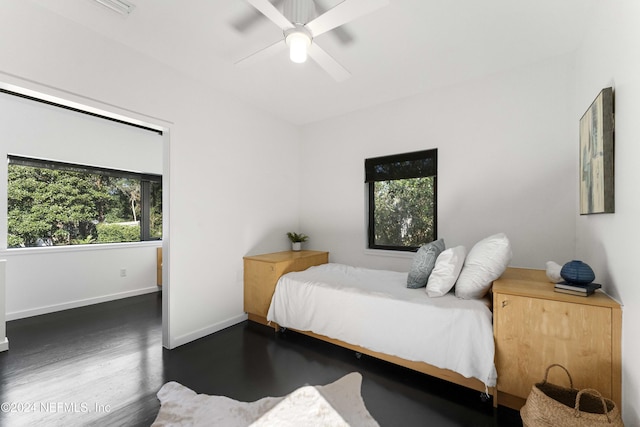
(103, 364)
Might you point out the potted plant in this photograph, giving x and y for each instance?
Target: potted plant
(296, 240)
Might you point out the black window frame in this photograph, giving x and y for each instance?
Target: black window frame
(145, 184)
(417, 164)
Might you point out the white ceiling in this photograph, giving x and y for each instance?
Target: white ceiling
(407, 47)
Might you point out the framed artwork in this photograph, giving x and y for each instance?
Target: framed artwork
(596, 156)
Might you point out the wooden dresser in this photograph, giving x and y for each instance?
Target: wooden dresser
(261, 273)
(534, 327)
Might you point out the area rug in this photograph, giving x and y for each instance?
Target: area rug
(338, 404)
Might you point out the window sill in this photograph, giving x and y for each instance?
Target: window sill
(389, 254)
(79, 248)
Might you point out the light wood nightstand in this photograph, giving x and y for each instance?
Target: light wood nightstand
(261, 273)
(534, 327)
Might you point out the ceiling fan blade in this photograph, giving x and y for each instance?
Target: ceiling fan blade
(244, 23)
(344, 12)
(270, 11)
(341, 33)
(262, 54)
(330, 65)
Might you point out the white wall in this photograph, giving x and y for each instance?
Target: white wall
(43, 280)
(505, 164)
(608, 242)
(228, 165)
(36, 129)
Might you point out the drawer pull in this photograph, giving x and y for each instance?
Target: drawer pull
(505, 303)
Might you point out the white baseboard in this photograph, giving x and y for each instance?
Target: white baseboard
(78, 303)
(4, 344)
(192, 336)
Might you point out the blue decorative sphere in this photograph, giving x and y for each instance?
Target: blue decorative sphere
(577, 272)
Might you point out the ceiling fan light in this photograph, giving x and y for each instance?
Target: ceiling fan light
(298, 44)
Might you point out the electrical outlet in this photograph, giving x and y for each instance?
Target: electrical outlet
(123, 272)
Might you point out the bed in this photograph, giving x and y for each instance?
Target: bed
(446, 337)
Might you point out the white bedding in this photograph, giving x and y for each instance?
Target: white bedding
(374, 309)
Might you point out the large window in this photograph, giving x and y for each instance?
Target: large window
(402, 200)
(53, 204)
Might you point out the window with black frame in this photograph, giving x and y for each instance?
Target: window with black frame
(402, 200)
(53, 203)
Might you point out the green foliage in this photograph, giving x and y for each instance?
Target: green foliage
(129, 197)
(114, 233)
(14, 241)
(57, 207)
(52, 206)
(295, 237)
(404, 212)
(155, 214)
(86, 241)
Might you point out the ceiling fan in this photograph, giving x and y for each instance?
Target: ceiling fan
(244, 23)
(300, 26)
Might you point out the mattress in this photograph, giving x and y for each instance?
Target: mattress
(374, 309)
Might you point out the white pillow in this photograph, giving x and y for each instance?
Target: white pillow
(446, 271)
(486, 261)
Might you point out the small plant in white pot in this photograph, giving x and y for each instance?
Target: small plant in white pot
(296, 240)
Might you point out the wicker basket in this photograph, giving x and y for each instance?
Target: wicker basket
(552, 405)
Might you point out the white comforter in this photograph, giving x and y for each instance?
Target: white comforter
(374, 309)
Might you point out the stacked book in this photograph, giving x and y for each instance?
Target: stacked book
(575, 289)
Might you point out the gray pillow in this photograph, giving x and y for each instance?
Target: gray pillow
(423, 264)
